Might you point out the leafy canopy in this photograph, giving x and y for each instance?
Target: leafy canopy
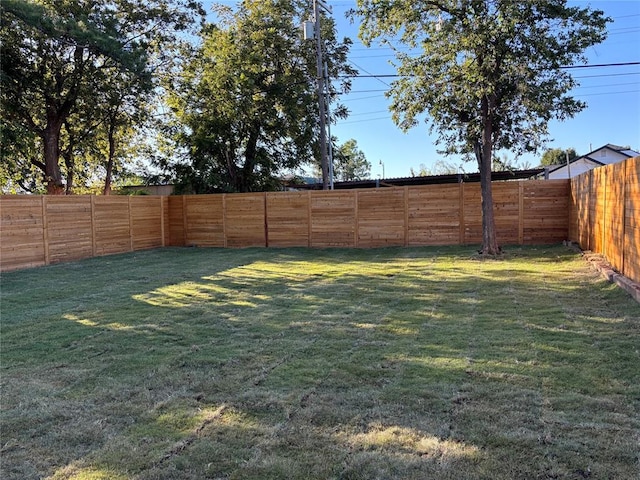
(350, 163)
(246, 108)
(557, 156)
(65, 66)
(476, 64)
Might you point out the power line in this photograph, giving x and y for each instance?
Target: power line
(598, 65)
(388, 117)
(609, 75)
(369, 73)
(361, 98)
(607, 93)
(367, 120)
(367, 113)
(567, 67)
(606, 85)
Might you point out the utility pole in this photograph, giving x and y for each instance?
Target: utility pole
(324, 160)
(328, 108)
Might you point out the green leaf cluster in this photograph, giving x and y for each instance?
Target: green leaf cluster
(350, 163)
(246, 103)
(557, 156)
(77, 80)
(483, 71)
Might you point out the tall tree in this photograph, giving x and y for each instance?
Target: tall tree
(440, 167)
(20, 159)
(489, 73)
(350, 163)
(557, 156)
(57, 52)
(246, 106)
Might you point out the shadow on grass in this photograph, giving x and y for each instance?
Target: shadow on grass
(418, 363)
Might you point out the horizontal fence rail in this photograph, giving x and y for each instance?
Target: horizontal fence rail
(526, 213)
(41, 230)
(605, 214)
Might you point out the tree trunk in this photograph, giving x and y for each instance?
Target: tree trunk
(489, 237)
(53, 175)
(69, 164)
(112, 153)
(57, 112)
(484, 152)
(250, 153)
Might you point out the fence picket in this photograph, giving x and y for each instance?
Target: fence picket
(599, 209)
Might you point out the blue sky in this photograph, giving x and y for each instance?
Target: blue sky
(612, 95)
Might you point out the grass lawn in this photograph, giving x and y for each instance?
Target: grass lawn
(420, 363)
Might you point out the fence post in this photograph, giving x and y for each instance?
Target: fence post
(45, 230)
(462, 232)
(604, 212)
(591, 213)
(309, 219)
(224, 219)
(356, 230)
(521, 212)
(184, 220)
(406, 216)
(94, 247)
(162, 219)
(130, 224)
(623, 237)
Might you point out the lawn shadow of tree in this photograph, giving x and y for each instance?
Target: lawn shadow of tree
(298, 364)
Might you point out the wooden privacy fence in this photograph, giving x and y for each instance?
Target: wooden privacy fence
(526, 212)
(605, 214)
(39, 230)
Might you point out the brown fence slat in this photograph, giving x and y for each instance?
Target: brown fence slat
(69, 229)
(146, 222)
(380, 220)
(605, 214)
(434, 215)
(333, 218)
(204, 220)
(600, 209)
(22, 232)
(288, 219)
(244, 220)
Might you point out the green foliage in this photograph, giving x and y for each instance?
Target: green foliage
(440, 167)
(487, 75)
(350, 163)
(557, 156)
(19, 155)
(66, 66)
(246, 105)
(483, 61)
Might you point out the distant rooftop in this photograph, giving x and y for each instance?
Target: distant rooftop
(426, 180)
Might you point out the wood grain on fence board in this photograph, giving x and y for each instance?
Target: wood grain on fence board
(288, 219)
(333, 218)
(22, 233)
(204, 220)
(605, 214)
(244, 220)
(600, 209)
